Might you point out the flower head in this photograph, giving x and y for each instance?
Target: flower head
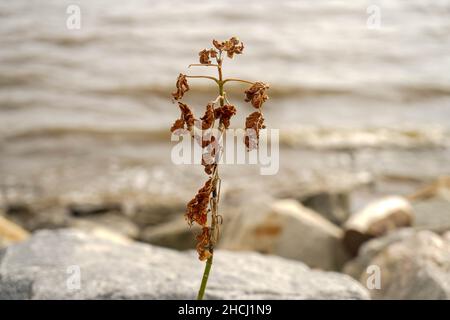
(205, 55)
(231, 47)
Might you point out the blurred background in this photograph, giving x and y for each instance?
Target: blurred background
(363, 112)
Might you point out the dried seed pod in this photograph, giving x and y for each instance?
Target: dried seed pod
(204, 57)
(257, 94)
(197, 208)
(203, 243)
(231, 47)
(182, 87)
(225, 113)
(208, 118)
(253, 123)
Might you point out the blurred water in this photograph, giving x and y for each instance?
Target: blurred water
(119, 68)
(68, 94)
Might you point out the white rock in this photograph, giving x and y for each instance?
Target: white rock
(377, 219)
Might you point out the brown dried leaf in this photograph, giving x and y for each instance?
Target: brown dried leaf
(205, 55)
(178, 124)
(182, 87)
(253, 123)
(186, 115)
(203, 244)
(225, 113)
(257, 94)
(208, 117)
(197, 208)
(219, 45)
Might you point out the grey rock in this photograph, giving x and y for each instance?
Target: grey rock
(333, 206)
(370, 249)
(290, 230)
(413, 265)
(159, 210)
(432, 214)
(38, 269)
(88, 209)
(174, 234)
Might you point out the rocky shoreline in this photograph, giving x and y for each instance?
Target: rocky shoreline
(405, 239)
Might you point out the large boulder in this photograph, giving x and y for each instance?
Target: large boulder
(69, 264)
(370, 249)
(412, 264)
(328, 195)
(376, 219)
(287, 229)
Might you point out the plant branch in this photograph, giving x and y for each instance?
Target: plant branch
(203, 65)
(203, 77)
(237, 80)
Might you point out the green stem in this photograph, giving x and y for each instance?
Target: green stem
(201, 291)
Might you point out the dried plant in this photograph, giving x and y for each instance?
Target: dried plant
(206, 201)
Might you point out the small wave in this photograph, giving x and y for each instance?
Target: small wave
(299, 137)
(399, 92)
(68, 40)
(199, 89)
(99, 133)
(348, 139)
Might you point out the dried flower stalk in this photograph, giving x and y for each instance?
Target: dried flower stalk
(206, 200)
